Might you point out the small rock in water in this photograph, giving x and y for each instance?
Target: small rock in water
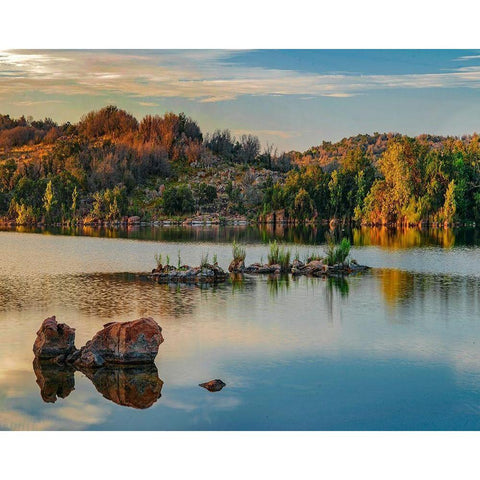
(213, 385)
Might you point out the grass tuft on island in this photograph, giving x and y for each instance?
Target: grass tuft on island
(335, 262)
(205, 273)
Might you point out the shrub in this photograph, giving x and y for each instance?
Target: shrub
(178, 200)
(205, 193)
(342, 251)
(279, 256)
(204, 260)
(239, 252)
(336, 253)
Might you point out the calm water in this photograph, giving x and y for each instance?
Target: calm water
(396, 348)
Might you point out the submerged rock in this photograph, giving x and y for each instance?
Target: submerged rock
(133, 342)
(55, 341)
(213, 385)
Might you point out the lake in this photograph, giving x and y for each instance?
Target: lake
(396, 348)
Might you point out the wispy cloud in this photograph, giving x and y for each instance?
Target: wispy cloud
(203, 76)
(148, 104)
(267, 133)
(29, 103)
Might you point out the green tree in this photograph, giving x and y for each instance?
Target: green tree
(49, 200)
(74, 202)
(178, 200)
(450, 205)
(303, 205)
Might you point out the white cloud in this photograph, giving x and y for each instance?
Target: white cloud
(204, 76)
(267, 133)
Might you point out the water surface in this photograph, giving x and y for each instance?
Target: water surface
(395, 348)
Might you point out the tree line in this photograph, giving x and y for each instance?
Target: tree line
(109, 165)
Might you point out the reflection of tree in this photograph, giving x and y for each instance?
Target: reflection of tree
(399, 287)
(403, 238)
(385, 237)
(396, 285)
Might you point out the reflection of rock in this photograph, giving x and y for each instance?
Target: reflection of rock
(54, 380)
(133, 342)
(213, 385)
(54, 340)
(132, 386)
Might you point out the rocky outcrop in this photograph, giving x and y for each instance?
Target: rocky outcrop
(314, 268)
(118, 360)
(185, 274)
(134, 220)
(259, 268)
(121, 343)
(213, 385)
(55, 341)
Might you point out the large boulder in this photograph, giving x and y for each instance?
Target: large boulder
(133, 342)
(54, 340)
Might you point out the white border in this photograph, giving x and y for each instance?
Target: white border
(246, 24)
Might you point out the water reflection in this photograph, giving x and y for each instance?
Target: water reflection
(338, 283)
(404, 238)
(396, 347)
(134, 386)
(277, 284)
(54, 380)
(390, 238)
(130, 386)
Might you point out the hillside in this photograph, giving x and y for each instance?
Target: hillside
(110, 166)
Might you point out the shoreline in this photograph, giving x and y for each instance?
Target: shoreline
(238, 220)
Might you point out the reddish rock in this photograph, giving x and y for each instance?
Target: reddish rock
(133, 220)
(213, 385)
(236, 266)
(122, 343)
(54, 340)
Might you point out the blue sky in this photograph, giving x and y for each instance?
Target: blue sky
(290, 98)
